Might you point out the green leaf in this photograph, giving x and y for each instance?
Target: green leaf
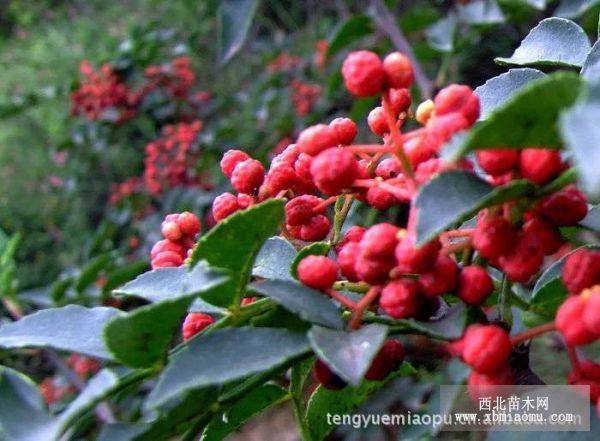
(496, 91)
(23, 415)
(226, 355)
(71, 328)
(574, 8)
(440, 35)
(314, 249)
(349, 354)
(234, 18)
(553, 42)
(274, 259)
(592, 220)
(343, 402)
(591, 67)
(529, 118)
(454, 197)
(234, 243)
(579, 127)
(252, 404)
(124, 274)
(480, 12)
(142, 337)
(310, 305)
(353, 29)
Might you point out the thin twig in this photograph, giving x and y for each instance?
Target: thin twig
(386, 22)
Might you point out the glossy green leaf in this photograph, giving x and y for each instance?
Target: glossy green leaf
(349, 354)
(529, 118)
(455, 196)
(553, 42)
(574, 8)
(71, 328)
(252, 404)
(234, 243)
(274, 259)
(480, 12)
(142, 337)
(353, 29)
(226, 355)
(496, 91)
(310, 305)
(580, 129)
(343, 402)
(234, 18)
(314, 249)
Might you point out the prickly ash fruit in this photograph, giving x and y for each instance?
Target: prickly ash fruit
(591, 315)
(317, 272)
(189, 224)
(230, 159)
(474, 285)
(457, 98)
(565, 207)
(313, 140)
(581, 270)
(388, 359)
(345, 130)
(363, 73)
(568, 322)
(354, 234)
(548, 234)
(347, 260)
(587, 374)
(484, 385)
(412, 259)
(398, 70)
(334, 170)
(224, 205)
(499, 161)
(326, 377)
(377, 121)
(379, 241)
(300, 210)
(247, 176)
(493, 236)
(400, 100)
(441, 278)
(401, 298)
(486, 348)
(540, 165)
(524, 260)
(194, 323)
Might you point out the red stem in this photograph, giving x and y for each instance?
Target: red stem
(342, 299)
(396, 135)
(531, 333)
(363, 305)
(327, 202)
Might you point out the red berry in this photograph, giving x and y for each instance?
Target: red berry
(314, 139)
(493, 236)
(189, 224)
(372, 271)
(565, 207)
(457, 98)
(587, 373)
(549, 235)
(498, 161)
(524, 259)
(194, 323)
(412, 259)
(400, 100)
(317, 272)
(568, 322)
(377, 121)
(345, 130)
(581, 270)
(224, 205)
(474, 285)
(230, 159)
(166, 259)
(166, 245)
(334, 170)
(302, 166)
(363, 73)
(300, 210)
(400, 298)
(486, 348)
(398, 70)
(441, 278)
(379, 241)
(244, 201)
(281, 177)
(171, 231)
(484, 386)
(540, 165)
(346, 260)
(388, 168)
(379, 198)
(247, 176)
(591, 315)
(388, 359)
(326, 377)
(354, 234)
(316, 229)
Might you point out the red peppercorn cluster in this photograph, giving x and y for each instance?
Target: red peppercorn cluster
(284, 62)
(126, 189)
(176, 78)
(170, 159)
(304, 96)
(83, 366)
(578, 318)
(194, 323)
(179, 231)
(102, 95)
